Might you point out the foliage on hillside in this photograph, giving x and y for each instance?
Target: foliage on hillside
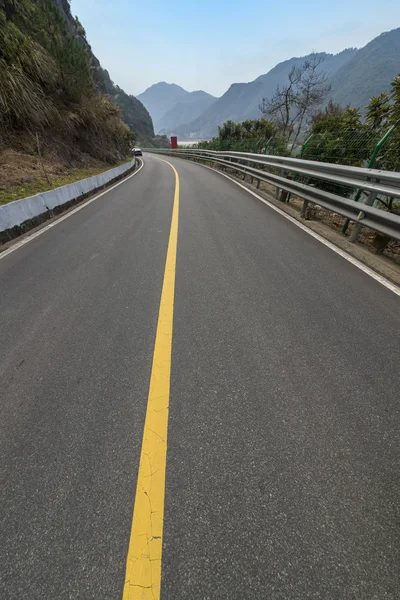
(133, 111)
(369, 72)
(249, 136)
(337, 135)
(47, 90)
(340, 134)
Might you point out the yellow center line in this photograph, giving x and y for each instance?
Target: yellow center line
(143, 569)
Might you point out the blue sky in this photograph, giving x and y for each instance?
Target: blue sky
(210, 44)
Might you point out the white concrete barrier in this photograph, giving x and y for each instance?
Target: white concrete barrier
(17, 212)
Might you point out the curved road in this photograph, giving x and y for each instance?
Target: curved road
(283, 461)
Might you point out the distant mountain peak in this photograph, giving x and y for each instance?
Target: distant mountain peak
(162, 98)
(356, 75)
(162, 84)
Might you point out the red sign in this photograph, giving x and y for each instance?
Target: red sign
(174, 142)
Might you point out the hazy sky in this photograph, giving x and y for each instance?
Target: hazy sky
(210, 44)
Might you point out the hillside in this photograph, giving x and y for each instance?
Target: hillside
(134, 113)
(56, 113)
(242, 100)
(170, 105)
(369, 72)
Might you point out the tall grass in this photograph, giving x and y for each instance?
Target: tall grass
(22, 99)
(46, 84)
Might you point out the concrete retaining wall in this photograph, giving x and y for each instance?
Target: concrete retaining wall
(30, 210)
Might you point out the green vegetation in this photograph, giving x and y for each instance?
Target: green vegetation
(341, 135)
(17, 192)
(47, 87)
(335, 134)
(133, 112)
(369, 72)
(354, 76)
(249, 136)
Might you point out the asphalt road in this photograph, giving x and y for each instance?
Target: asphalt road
(283, 462)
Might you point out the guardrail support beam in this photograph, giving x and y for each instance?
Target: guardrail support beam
(278, 190)
(357, 226)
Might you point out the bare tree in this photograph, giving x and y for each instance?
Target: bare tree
(280, 107)
(291, 106)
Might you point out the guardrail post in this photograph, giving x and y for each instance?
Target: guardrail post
(258, 183)
(244, 167)
(304, 208)
(303, 212)
(357, 226)
(250, 175)
(277, 190)
(302, 151)
(285, 195)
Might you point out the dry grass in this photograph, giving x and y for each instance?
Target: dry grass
(22, 98)
(22, 174)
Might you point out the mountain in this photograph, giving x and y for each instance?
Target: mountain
(242, 100)
(160, 98)
(232, 105)
(134, 113)
(369, 72)
(330, 64)
(170, 105)
(189, 108)
(355, 75)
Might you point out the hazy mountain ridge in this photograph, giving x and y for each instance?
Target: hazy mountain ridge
(133, 111)
(170, 105)
(160, 98)
(192, 106)
(232, 105)
(242, 100)
(356, 76)
(331, 63)
(369, 72)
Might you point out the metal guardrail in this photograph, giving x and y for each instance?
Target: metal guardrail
(372, 181)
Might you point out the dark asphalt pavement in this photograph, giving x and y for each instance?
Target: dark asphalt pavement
(283, 463)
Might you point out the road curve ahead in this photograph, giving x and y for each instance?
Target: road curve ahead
(272, 365)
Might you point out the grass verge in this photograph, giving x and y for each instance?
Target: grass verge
(19, 191)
